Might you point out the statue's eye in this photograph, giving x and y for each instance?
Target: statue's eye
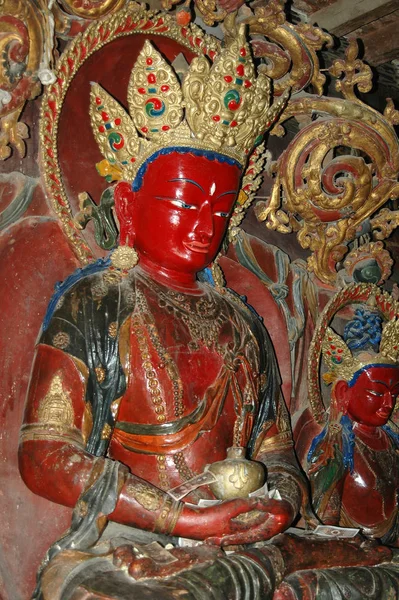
(182, 204)
(225, 215)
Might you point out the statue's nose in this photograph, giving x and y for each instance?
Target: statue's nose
(388, 401)
(205, 226)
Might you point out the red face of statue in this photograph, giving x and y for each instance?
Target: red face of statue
(179, 216)
(371, 399)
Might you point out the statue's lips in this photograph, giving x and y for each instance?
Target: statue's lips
(384, 412)
(197, 246)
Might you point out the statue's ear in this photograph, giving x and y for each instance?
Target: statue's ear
(124, 201)
(341, 396)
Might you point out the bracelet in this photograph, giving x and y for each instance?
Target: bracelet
(168, 517)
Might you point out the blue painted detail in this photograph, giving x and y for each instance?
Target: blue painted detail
(315, 442)
(221, 158)
(62, 287)
(108, 126)
(238, 81)
(352, 382)
(392, 434)
(348, 442)
(206, 276)
(152, 90)
(154, 130)
(226, 122)
(241, 59)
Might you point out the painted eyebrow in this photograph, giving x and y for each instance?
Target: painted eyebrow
(225, 193)
(378, 381)
(189, 181)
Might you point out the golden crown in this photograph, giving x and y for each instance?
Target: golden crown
(342, 364)
(221, 107)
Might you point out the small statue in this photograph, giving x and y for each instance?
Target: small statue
(353, 462)
(145, 376)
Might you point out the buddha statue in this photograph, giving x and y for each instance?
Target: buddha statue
(151, 380)
(353, 462)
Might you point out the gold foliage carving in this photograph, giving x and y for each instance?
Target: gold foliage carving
(289, 50)
(22, 38)
(337, 172)
(384, 223)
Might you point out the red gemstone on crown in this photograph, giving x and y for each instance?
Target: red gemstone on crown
(144, 129)
(216, 118)
(233, 124)
(101, 128)
(240, 70)
(118, 121)
(141, 91)
(228, 78)
(333, 347)
(98, 100)
(165, 127)
(164, 88)
(132, 160)
(243, 52)
(151, 78)
(149, 61)
(247, 83)
(105, 116)
(340, 350)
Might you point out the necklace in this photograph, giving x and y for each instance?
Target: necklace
(202, 315)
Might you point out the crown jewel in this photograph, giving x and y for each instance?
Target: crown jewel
(221, 107)
(363, 333)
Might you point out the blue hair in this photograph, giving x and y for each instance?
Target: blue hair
(221, 158)
(364, 330)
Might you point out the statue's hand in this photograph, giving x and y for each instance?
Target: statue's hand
(265, 519)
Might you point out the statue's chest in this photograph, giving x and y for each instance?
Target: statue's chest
(191, 365)
(370, 492)
(174, 352)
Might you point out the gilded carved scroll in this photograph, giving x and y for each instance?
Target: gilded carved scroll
(337, 171)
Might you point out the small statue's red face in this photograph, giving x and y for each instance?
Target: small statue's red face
(181, 212)
(371, 399)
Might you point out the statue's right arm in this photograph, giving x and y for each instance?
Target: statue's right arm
(54, 463)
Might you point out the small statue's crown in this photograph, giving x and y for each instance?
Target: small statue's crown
(221, 107)
(366, 341)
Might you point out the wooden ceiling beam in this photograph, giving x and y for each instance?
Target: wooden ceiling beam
(380, 39)
(345, 16)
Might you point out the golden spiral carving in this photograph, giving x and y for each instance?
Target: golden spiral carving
(289, 50)
(336, 172)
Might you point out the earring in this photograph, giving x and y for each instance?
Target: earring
(124, 258)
